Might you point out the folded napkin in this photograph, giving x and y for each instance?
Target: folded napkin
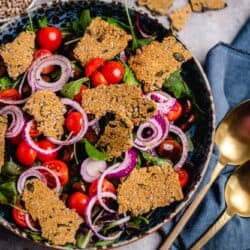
(228, 71)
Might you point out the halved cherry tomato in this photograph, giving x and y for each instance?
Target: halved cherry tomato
(74, 122)
(175, 113)
(19, 217)
(106, 187)
(49, 38)
(78, 97)
(25, 154)
(78, 201)
(33, 130)
(93, 65)
(113, 72)
(183, 177)
(46, 144)
(9, 94)
(60, 169)
(97, 79)
(44, 53)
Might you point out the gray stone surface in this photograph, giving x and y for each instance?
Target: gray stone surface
(202, 32)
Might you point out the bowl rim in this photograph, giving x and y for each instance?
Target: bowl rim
(35, 7)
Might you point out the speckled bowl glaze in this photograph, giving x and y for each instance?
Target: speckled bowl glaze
(59, 12)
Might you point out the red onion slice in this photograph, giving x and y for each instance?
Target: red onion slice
(27, 174)
(125, 167)
(88, 217)
(34, 76)
(29, 223)
(33, 144)
(164, 101)
(184, 141)
(91, 170)
(160, 127)
(123, 56)
(17, 122)
(75, 105)
(137, 23)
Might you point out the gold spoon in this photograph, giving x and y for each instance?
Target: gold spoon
(232, 138)
(237, 195)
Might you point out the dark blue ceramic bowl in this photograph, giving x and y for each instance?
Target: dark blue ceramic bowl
(65, 11)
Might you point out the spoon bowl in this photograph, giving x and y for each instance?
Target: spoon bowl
(237, 196)
(232, 137)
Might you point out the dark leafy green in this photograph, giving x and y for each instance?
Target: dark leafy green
(36, 236)
(104, 243)
(129, 76)
(190, 142)
(10, 169)
(154, 159)
(117, 23)
(43, 22)
(144, 41)
(5, 83)
(82, 240)
(94, 153)
(71, 89)
(80, 25)
(8, 192)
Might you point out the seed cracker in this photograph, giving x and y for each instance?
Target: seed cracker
(18, 55)
(157, 6)
(204, 5)
(3, 128)
(148, 188)
(101, 39)
(155, 62)
(59, 224)
(48, 111)
(179, 17)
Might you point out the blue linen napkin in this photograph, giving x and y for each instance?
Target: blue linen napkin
(228, 71)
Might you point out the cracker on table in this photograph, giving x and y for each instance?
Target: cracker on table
(204, 5)
(157, 6)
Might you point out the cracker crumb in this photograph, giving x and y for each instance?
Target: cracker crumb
(59, 224)
(18, 55)
(179, 17)
(119, 99)
(204, 5)
(148, 188)
(3, 128)
(101, 39)
(157, 6)
(48, 111)
(117, 136)
(155, 62)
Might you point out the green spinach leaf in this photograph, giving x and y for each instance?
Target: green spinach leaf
(144, 41)
(94, 153)
(71, 89)
(190, 142)
(129, 76)
(43, 22)
(8, 192)
(5, 83)
(10, 169)
(117, 23)
(156, 160)
(85, 19)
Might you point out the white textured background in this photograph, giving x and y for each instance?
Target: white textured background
(202, 32)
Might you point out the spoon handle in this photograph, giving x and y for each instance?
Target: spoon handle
(189, 211)
(223, 219)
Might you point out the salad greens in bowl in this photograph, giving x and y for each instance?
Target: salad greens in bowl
(107, 124)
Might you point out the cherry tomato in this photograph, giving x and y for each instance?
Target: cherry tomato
(170, 149)
(25, 154)
(74, 122)
(175, 113)
(33, 131)
(45, 144)
(97, 79)
(113, 72)
(106, 187)
(44, 53)
(9, 94)
(60, 169)
(78, 201)
(19, 217)
(93, 65)
(49, 38)
(78, 97)
(183, 177)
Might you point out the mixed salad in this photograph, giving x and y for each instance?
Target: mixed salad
(71, 156)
